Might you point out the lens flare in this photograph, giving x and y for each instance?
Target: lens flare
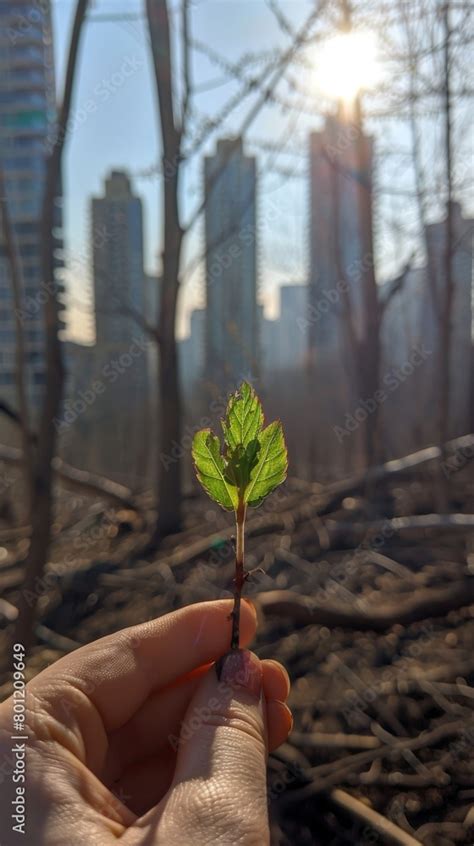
(347, 65)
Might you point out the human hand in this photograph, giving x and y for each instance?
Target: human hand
(133, 739)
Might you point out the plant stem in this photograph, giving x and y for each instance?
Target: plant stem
(239, 580)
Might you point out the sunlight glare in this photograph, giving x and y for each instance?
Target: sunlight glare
(347, 65)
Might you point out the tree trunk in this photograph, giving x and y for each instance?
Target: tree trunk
(42, 473)
(448, 293)
(169, 461)
(169, 456)
(17, 290)
(371, 345)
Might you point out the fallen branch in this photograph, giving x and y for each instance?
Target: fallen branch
(411, 781)
(83, 479)
(456, 832)
(423, 604)
(338, 740)
(390, 832)
(271, 524)
(347, 534)
(7, 611)
(55, 640)
(12, 578)
(13, 534)
(395, 467)
(300, 506)
(74, 478)
(328, 775)
(412, 681)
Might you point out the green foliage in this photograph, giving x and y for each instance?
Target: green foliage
(244, 418)
(269, 470)
(254, 461)
(211, 469)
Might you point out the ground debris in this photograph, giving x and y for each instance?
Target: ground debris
(370, 605)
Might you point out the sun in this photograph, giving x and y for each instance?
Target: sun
(347, 65)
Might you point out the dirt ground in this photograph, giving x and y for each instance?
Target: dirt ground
(367, 600)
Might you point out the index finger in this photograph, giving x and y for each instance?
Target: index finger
(118, 673)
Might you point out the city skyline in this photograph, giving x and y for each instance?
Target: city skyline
(114, 100)
(336, 180)
(151, 283)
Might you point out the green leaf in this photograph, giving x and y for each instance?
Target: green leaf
(270, 469)
(211, 469)
(244, 418)
(241, 463)
(255, 459)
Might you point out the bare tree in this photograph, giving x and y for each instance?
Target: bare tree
(42, 473)
(173, 127)
(448, 291)
(442, 47)
(15, 268)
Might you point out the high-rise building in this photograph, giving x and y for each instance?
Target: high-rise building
(231, 265)
(27, 127)
(284, 340)
(191, 358)
(293, 310)
(411, 323)
(340, 236)
(121, 356)
(119, 278)
(341, 256)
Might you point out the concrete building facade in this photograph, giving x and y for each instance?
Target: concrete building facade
(118, 271)
(232, 341)
(340, 238)
(122, 349)
(340, 253)
(27, 131)
(411, 322)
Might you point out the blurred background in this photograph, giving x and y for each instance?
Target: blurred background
(197, 192)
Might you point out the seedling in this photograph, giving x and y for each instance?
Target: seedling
(254, 462)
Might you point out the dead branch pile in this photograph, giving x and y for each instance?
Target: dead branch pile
(369, 602)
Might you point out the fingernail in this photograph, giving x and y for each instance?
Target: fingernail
(290, 717)
(282, 670)
(240, 668)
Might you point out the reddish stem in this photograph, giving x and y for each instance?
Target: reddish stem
(239, 580)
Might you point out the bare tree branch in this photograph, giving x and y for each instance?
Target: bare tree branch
(42, 497)
(299, 39)
(187, 85)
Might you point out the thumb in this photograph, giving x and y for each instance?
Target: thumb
(218, 795)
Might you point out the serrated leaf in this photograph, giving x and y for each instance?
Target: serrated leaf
(211, 469)
(241, 463)
(270, 469)
(244, 418)
(255, 460)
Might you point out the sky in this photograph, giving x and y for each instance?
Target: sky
(114, 125)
